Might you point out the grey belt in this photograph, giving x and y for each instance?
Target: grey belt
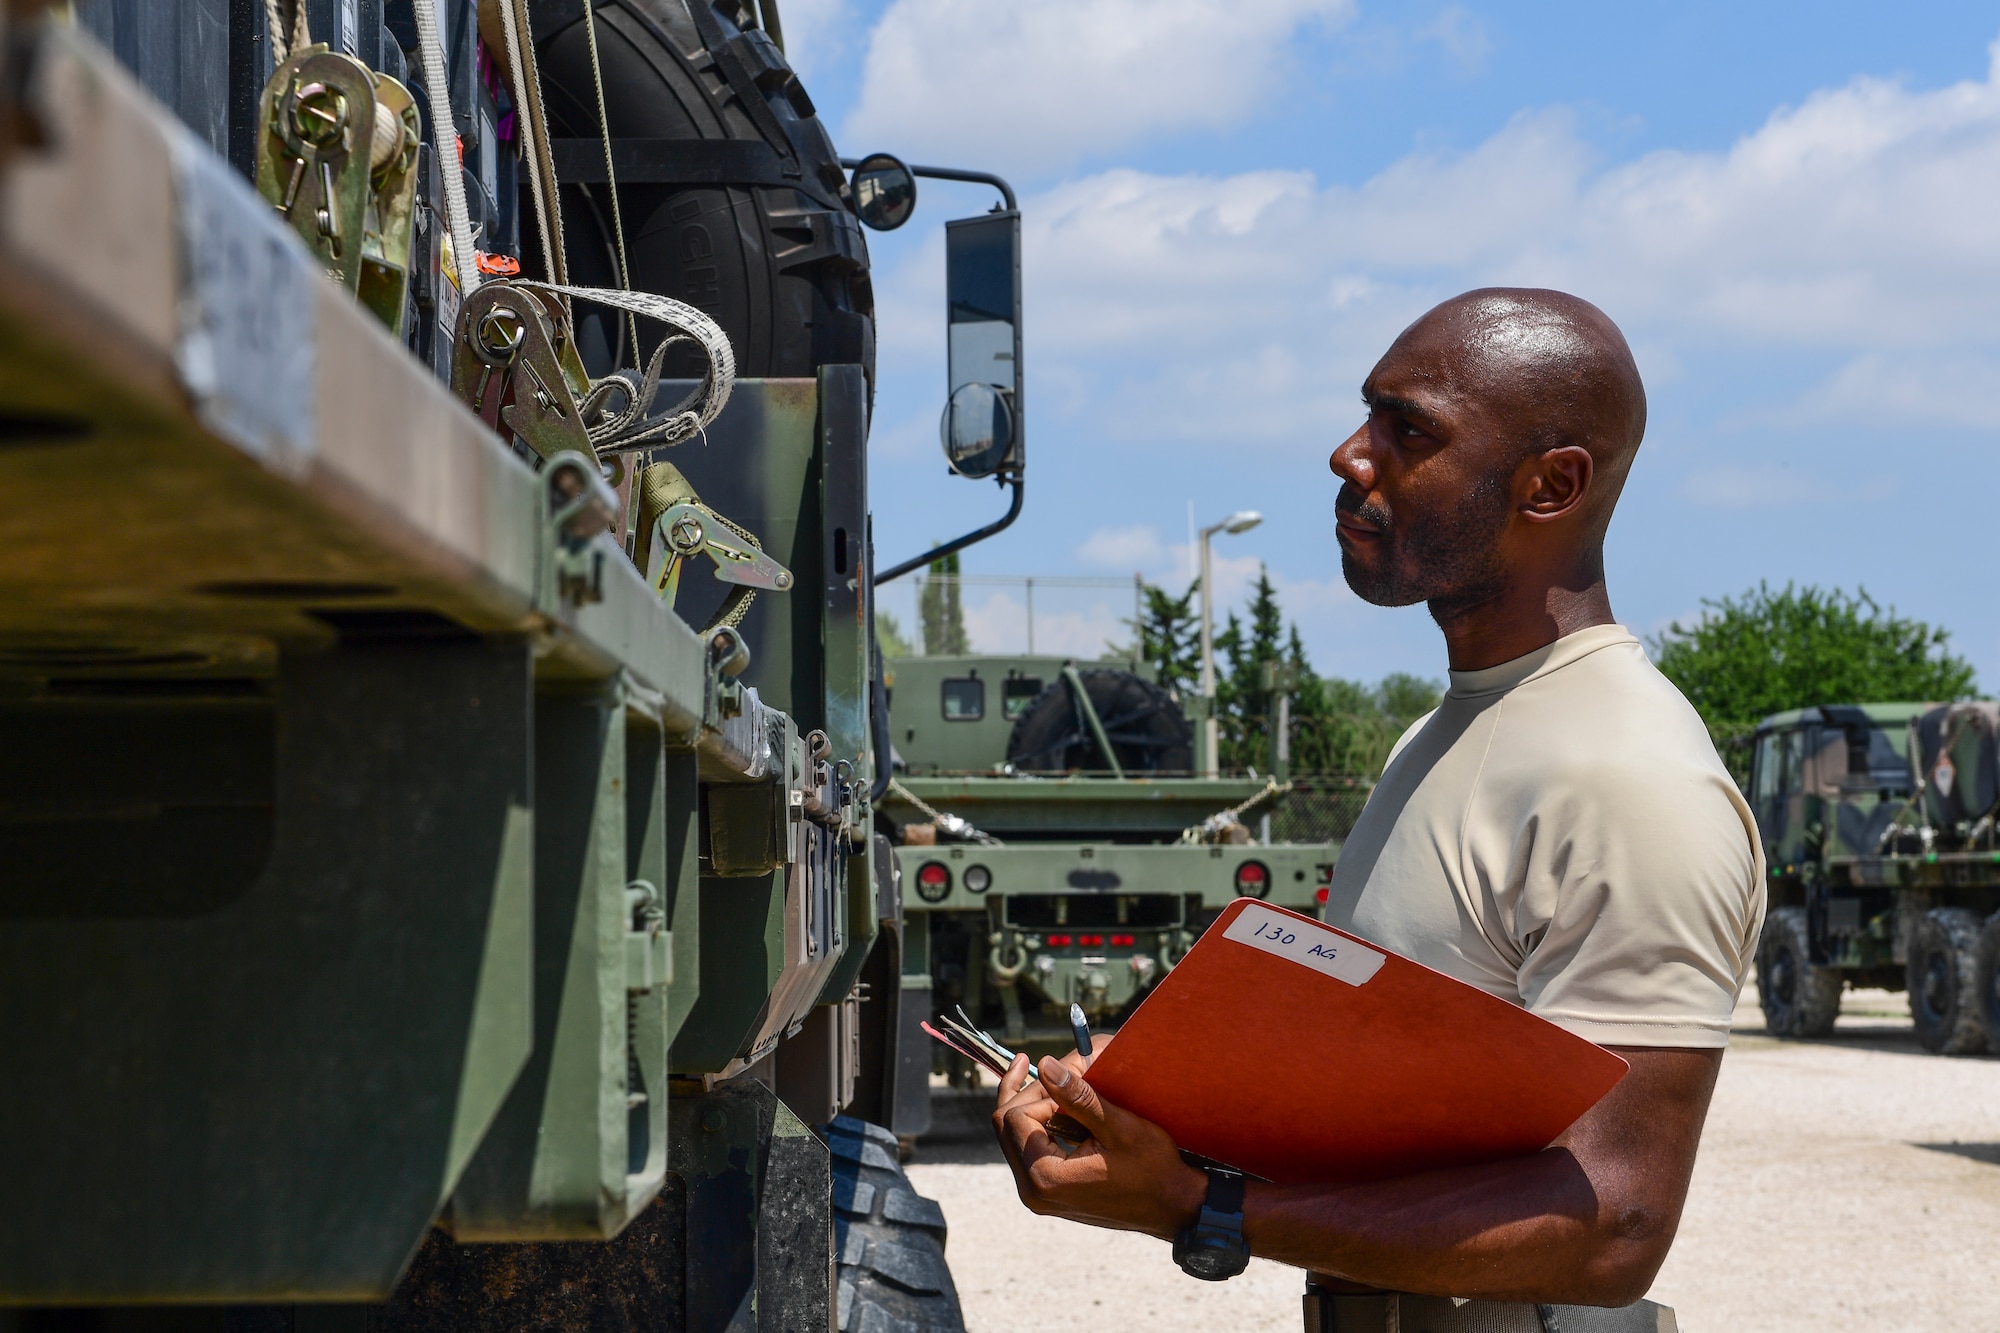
(1390, 1312)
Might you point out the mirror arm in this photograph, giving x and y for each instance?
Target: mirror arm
(954, 174)
(978, 535)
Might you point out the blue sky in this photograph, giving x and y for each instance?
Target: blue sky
(1231, 206)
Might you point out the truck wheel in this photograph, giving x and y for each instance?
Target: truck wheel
(1141, 720)
(1944, 1003)
(1798, 998)
(1986, 981)
(776, 258)
(888, 1240)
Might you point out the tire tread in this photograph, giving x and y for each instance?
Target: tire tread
(1956, 1029)
(889, 1241)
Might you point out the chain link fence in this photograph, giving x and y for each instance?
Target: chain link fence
(1322, 807)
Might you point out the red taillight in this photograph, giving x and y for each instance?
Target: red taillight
(1323, 894)
(1123, 941)
(1252, 880)
(933, 882)
(1091, 941)
(1060, 941)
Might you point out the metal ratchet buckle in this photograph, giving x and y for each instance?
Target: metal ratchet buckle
(689, 529)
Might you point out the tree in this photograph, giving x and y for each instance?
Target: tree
(1169, 638)
(940, 609)
(889, 634)
(1337, 726)
(1764, 652)
(1246, 703)
(1343, 726)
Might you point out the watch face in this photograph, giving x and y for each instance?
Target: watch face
(1212, 1257)
(1211, 1263)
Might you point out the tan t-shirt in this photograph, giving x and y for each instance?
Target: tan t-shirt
(1560, 833)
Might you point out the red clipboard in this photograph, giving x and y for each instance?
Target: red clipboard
(1300, 1053)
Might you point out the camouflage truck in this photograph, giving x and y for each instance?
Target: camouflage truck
(1056, 847)
(1878, 828)
(439, 733)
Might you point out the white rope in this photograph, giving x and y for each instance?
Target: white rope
(282, 46)
(610, 174)
(1222, 819)
(532, 121)
(955, 824)
(437, 82)
(713, 394)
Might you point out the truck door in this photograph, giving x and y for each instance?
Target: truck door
(1774, 790)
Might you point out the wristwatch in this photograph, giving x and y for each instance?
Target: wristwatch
(1213, 1249)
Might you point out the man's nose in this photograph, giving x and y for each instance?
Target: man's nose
(1351, 462)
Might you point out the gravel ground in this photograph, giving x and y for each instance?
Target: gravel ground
(1850, 1183)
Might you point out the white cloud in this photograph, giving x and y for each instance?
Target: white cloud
(998, 623)
(815, 33)
(1135, 548)
(1247, 307)
(1947, 389)
(1030, 85)
(1461, 35)
(1776, 486)
(1758, 486)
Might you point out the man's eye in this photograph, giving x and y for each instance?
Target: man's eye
(1408, 431)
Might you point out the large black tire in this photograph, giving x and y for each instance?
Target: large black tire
(1146, 728)
(1986, 981)
(1942, 971)
(1798, 998)
(888, 1240)
(783, 267)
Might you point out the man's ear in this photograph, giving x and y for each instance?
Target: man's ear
(1555, 482)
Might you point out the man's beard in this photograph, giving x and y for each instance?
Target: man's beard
(1449, 559)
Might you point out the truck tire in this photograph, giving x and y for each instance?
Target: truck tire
(1944, 1003)
(1986, 981)
(772, 251)
(888, 1240)
(1143, 723)
(1799, 999)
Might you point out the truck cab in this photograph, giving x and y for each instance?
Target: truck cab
(1828, 781)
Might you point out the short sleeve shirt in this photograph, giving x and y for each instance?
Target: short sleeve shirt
(1560, 833)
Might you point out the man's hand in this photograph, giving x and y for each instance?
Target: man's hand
(1128, 1176)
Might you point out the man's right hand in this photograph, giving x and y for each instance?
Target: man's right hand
(1128, 1175)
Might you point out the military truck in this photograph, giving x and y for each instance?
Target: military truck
(1883, 863)
(1057, 846)
(439, 732)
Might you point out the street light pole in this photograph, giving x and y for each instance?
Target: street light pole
(1211, 732)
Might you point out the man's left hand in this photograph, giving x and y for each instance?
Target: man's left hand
(1127, 1176)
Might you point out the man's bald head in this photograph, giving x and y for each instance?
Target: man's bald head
(1552, 365)
(1501, 428)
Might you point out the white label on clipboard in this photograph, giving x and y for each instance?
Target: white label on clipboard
(1306, 943)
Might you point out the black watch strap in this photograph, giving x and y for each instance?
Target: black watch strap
(1225, 1192)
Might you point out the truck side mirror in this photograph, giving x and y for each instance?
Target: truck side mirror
(885, 192)
(981, 429)
(977, 430)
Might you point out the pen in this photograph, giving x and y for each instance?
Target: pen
(1081, 1029)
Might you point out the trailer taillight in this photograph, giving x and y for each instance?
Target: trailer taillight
(1253, 880)
(933, 882)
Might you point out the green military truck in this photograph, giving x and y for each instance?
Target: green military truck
(440, 737)
(1884, 865)
(1057, 847)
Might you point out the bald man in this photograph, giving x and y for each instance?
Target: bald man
(1559, 833)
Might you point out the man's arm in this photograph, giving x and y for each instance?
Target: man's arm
(1587, 1221)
